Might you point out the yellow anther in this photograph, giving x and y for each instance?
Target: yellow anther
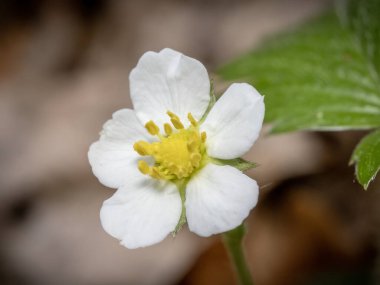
(143, 148)
(172, 115)
(175, 120)
(168, 129)
(195, 159)
(180, 173)
(203, 136)
(144, 167)
(155, 173)
(152, 128)
(192, 145)
(192, 120)
(177, 123)
(174, 169)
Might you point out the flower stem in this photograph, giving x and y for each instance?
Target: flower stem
(233, 243)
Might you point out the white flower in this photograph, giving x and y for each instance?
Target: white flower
(160, 156)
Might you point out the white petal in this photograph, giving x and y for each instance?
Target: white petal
(112, 158)
(218, 199)
(124, 127)
(143, 213)
(234, 123)
(169, 81)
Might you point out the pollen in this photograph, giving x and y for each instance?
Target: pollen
(178, 153)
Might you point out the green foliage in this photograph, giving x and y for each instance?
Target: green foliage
(367, 158)
(314, 78)
(322, 76)
(362, 18)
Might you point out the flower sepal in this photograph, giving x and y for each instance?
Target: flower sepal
(239, 163)
(182, 219)
(212, 102)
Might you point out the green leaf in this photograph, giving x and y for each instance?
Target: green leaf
(239, 163)
(362, 17)
(314, 78)
(367, 158)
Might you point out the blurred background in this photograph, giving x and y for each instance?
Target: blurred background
(64, 67)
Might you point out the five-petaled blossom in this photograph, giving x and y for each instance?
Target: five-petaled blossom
(166, 156)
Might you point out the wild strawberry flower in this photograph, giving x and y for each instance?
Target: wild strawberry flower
(166, 156)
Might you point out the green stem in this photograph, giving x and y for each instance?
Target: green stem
(233, 243)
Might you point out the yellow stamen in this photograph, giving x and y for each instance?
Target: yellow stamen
(203, 136)
(175, 120)
(195, 159)
(192, 145)
(152, 128)
(177, 123)
(192, 120)
(177, 154)
(144, 167)
(142, 148)
(168, 129)
(172, 115)
(155, 173)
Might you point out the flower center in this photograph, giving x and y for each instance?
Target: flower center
(177, 154)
